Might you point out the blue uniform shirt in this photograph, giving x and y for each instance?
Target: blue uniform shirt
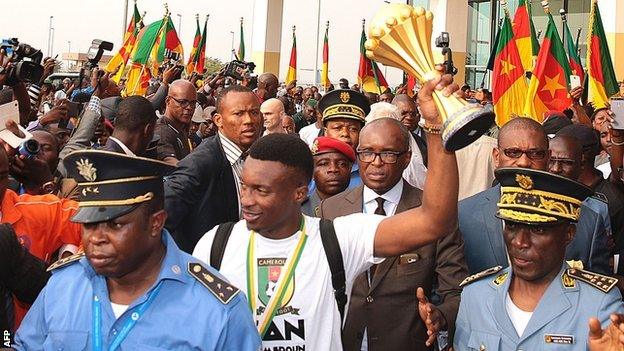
(559, 322)
(184, 315)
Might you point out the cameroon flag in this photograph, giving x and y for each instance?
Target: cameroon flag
(524, 33)
(119, 61)
(241, 43)
(509, 86)
(135, 85)
(190, 66)
(602, 82)
(201, 53)
(570, 47)
(325, 72)
(370, 78)
(548, 89)
(292, 65)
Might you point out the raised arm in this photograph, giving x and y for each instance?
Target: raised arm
(438, 214)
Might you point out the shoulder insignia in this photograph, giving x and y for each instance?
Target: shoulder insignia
(500, 279)
(480, 275)
(65, 261)
(600, 196)
(217, 286)
(567, 280)
(599, 281)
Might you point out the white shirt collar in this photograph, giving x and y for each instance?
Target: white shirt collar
(393, 195)
(122, 146)
(232, 151)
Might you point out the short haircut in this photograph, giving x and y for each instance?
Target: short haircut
(231, 89)
(522, 123)
(287, 149)
(378, 124)
(596, 111)
(134, 113)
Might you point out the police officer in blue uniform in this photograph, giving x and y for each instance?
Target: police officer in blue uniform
(540, 302)
(132, 288)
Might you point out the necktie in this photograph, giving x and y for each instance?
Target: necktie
(380, 206)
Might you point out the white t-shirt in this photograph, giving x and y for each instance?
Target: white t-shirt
(118, 309)
(519, 318)
(309, 133)
(308, 317)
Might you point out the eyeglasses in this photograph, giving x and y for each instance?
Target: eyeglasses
(533, 154)
(388, 157)
(563, 162)
(185, 103)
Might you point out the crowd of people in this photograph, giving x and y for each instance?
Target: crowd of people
(215, 214)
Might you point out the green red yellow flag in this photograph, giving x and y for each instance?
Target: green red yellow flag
(370, 78)
(118, 62)
(575, 61)
(201, 53)
(241, 44)
(139, 73)
(192, 61)
(509, 86)
(524, 34)
(325, 82)
(167, 40)
(291, 75)
(602, 83)
(548, 89)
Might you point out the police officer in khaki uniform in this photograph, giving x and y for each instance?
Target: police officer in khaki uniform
(541, 301)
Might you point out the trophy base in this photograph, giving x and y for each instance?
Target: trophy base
(466, 126)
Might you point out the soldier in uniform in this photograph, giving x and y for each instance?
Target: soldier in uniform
(132, 288)
(333, 160)
(540, 301)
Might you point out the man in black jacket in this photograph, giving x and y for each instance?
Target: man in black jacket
(203, 191)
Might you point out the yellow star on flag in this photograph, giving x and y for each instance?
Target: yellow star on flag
(552, 85)
(507, 67)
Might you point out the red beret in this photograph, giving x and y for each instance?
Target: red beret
(323, 145)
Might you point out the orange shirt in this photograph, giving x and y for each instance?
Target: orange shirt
(42, 225)
(41, 222)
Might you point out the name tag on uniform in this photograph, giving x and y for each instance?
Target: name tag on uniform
(559, 339)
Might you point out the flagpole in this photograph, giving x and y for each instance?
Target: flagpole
(125, 19)
(564, 19)
(318, 28)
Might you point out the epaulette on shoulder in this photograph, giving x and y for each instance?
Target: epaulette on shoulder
(221, 289)
(600, 196)
(598, 281)
(65, 261)
(480, 275)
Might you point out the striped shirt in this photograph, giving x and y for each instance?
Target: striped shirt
(234, 156)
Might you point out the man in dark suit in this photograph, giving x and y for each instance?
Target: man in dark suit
(204, 190)
(523, 143)
(134, 127)
(390, 288)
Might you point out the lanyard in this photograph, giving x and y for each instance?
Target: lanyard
(127, 325)
(282, 284)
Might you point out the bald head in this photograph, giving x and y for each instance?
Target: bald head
(388, 127)
(272, 110)
(288, 124)
(509, 129)
(181, 102)
(269, 83)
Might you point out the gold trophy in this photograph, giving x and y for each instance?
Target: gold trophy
(400, 36)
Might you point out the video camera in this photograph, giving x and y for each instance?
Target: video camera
(27, 68)
(239, 70)
(95, 52)
(172, 59)
(444, 41)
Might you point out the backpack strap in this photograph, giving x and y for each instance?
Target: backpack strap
(336, 265)
(218, 244)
